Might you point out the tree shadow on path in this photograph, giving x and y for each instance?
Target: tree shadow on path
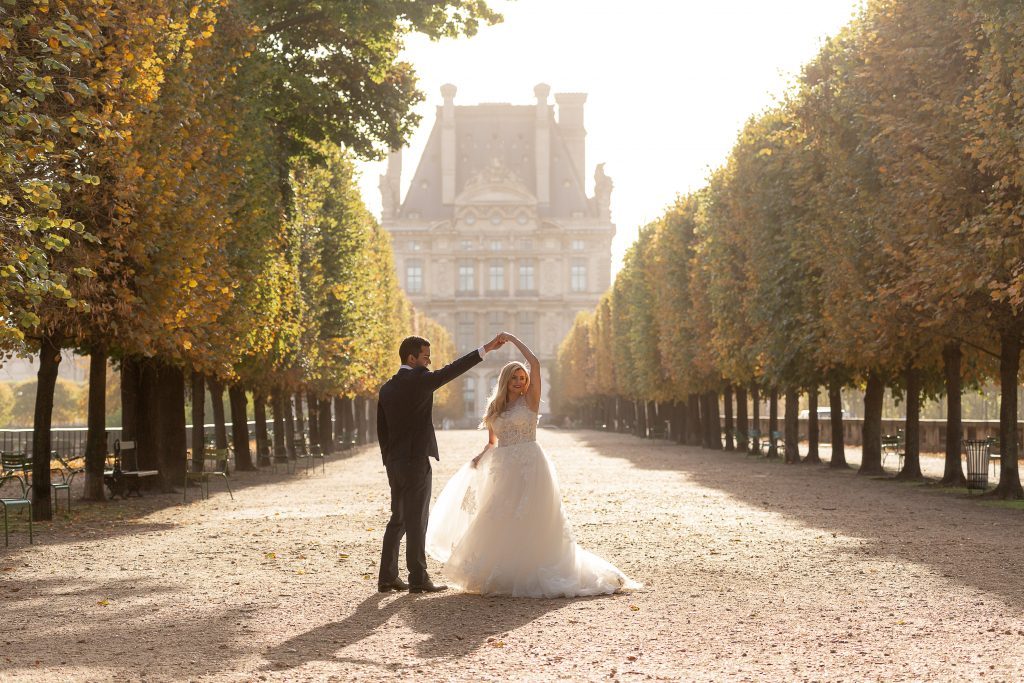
(457, 625)
(972, 544)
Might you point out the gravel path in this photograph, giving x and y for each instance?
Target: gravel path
(753, 570)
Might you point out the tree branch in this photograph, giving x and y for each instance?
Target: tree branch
(297, 20)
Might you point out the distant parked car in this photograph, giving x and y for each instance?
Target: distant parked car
(823, 414)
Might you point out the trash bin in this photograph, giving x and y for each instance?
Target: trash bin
(977, 463)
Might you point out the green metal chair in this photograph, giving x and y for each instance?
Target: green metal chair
(317, 453)
(770, 447)
(754, 439)
(219, 457)
(65, 475)
(17, 467)
(9, 503)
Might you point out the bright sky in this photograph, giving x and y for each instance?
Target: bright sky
(669, 82)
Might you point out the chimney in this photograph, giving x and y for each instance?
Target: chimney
(542, 144)
(391, 186)
(448, 144)
(570, 122)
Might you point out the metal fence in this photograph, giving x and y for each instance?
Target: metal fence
(70, 441)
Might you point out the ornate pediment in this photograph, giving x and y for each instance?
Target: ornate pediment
(495, 185)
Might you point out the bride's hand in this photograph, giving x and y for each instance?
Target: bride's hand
(476, 461)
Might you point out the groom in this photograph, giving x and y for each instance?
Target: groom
(405, 431)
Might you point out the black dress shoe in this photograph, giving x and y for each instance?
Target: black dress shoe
(428, 587)
(396, 585)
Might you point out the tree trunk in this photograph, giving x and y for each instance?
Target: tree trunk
(340, 422)
(360, 407)
(220, 430)
(49, 362)
(835, 405)
(813, 456)
(170, 432)
(1009, 366)
(641, 418)
(326, 426)
(713, 422)
(147, 442)
(792, 427)
(130, 378)
(730, 445)
(871, 433)
(705, 430)
(300, 419)
(953, 473)
(693, 420)
(240, 428)
(198, 420)
(277, 405)
(755, 399)
(313, 410)
(912, 431)
(96, 440)
(259, 408)
(289, 424)
(773, 421)
(679, 424)
(741, 419)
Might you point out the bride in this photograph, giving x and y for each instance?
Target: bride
(498, 525)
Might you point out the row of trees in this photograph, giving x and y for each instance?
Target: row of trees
(178, 195)
(866, 231)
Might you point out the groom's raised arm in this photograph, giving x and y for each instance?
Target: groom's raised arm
(439, 378)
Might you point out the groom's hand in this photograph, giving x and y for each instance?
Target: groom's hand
(494, 344)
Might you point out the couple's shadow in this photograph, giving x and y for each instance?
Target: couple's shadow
(457, 624)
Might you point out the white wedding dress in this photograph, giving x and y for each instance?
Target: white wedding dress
(499, 528)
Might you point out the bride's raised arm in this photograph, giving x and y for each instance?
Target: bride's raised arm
(533, 391)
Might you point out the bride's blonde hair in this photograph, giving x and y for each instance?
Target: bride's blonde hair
(498, 400)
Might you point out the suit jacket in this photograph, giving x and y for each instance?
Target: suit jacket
(405, 427)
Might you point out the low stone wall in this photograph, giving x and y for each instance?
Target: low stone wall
(933, 432)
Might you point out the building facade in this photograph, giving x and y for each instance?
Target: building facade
(496, 231)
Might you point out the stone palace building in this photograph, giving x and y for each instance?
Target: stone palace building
(496, 231)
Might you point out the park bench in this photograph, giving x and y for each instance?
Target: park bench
(215, 464)
(658, 431)
(892, 444)
(124, 476)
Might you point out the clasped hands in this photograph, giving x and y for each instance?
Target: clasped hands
(498, 341)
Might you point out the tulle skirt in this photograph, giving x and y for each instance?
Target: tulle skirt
(499, 529)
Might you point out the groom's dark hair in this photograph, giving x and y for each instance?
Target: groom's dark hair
(411, 346)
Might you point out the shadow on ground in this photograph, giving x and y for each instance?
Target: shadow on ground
(457, 624)
(120, 629)
(973, 544)
(95, 520)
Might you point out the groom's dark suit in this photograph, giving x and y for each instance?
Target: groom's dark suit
(405, 430)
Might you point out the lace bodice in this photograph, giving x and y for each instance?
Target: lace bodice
(517, 424)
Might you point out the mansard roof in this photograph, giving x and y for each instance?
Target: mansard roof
(497, 135)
